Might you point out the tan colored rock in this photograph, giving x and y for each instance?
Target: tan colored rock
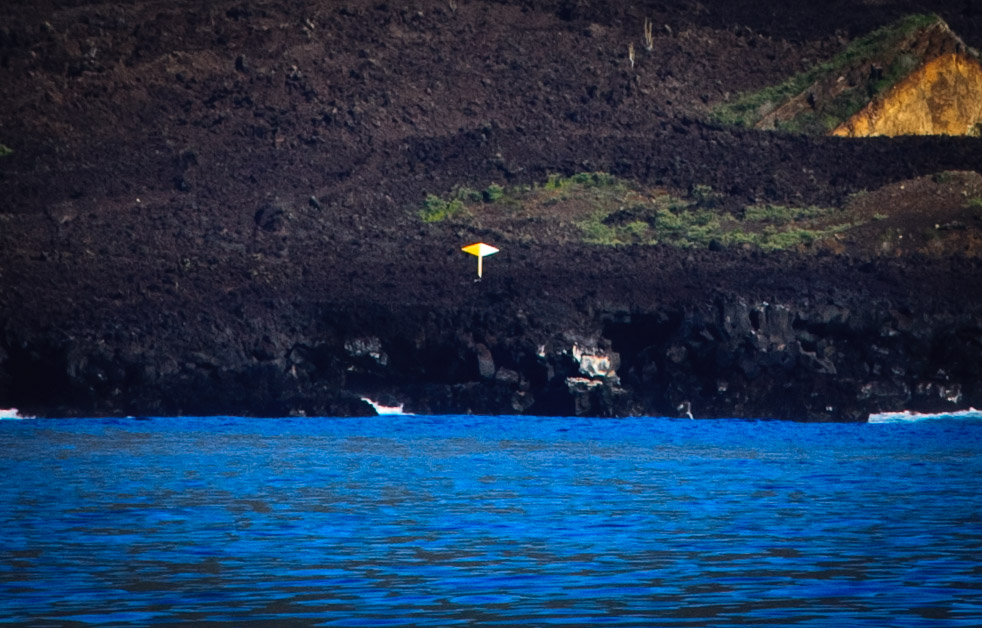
(942, 97)
(912, 77)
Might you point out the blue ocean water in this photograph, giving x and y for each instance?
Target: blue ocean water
(490, 521)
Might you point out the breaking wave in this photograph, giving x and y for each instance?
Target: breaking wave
(907, 416)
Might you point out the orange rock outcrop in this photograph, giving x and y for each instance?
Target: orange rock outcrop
(942, 97)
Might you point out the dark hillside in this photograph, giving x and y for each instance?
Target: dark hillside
(214, 207)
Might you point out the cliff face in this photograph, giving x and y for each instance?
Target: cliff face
(731, 359)
(212, 208)
(818, 347)
(942, 97)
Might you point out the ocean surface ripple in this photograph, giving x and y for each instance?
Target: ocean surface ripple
(492, 521)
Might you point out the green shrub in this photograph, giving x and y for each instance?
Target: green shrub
(668, 223)
(673, 225)
(741, 237)
(781, 215)
(5, 150)
(842, 107)
(493, 193)
(554, 182)
(687, 228)
(705, 196)
(702, 235)
(435, 209)
(595, 231)
(637, 229)
(467, 194)
(782, 240)
(747, 109)
(593, 179)
(903, 65)
(582, 179)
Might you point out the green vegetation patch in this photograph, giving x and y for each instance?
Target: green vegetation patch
(598, 208)
(435, 209)
(883, 48)
(557, 182)
(5, 150)
(682, 223)
(465, 202)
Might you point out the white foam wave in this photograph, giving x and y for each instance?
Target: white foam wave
(11, 413)
(908, 416)
(381, 409)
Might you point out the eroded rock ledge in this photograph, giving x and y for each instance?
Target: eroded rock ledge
(728, 358)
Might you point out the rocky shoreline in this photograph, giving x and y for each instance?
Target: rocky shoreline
(215, 210)
(765, 346)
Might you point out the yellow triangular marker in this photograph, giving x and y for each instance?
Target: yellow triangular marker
(481, 250)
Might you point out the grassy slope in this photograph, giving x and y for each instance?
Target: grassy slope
(601, 209)
(597, 208)
(750, 108)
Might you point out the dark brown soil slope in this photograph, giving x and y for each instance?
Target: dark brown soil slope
(213, 207)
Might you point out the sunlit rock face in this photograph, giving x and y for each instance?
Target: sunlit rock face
(942, 97)
(911, 77)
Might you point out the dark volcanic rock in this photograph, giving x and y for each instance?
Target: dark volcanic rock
(213, 208)
(730, 357)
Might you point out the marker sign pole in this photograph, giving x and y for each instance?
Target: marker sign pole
(481, 250)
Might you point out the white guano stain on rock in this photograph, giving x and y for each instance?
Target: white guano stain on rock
(597, 364)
